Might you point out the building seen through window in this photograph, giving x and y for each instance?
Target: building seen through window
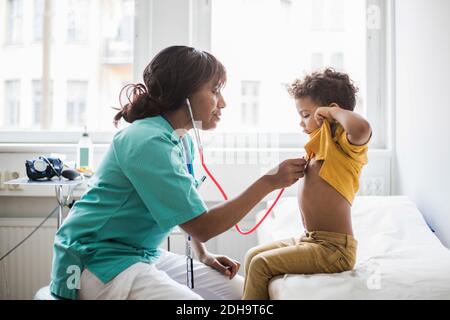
(276, 41)
(89, 54)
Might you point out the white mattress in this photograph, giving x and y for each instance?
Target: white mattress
(399, 257)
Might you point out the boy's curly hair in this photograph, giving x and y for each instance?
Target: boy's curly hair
(325, 88)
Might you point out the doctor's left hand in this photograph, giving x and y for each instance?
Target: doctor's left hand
(223, 264)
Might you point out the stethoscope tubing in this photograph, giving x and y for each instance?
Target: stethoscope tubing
(217, 184)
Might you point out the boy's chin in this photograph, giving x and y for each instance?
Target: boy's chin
(310, 131)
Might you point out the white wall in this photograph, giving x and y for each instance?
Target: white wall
(423, 109)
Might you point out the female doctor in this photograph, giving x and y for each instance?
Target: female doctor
(107, 248)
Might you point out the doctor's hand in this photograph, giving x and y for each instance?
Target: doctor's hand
(223, 264)
(286, 173)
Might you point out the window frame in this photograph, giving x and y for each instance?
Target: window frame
(16, 86)
(10, 25)
(149, 39)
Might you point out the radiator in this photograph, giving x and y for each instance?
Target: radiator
(28, 268)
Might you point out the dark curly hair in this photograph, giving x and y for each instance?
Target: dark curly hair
(326, 87)
(174, 74)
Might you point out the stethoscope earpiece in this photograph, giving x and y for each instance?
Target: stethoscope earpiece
(194, 126)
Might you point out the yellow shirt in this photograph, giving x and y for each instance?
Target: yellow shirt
(342, 161)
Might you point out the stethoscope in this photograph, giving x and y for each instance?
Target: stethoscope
(219, 187)
(189, 258)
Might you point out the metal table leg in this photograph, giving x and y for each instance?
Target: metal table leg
(59, 195)
(62, 202)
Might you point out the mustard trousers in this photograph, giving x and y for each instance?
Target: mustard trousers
(314, 252)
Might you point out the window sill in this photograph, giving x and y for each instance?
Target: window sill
(62, 147)
(43, 147)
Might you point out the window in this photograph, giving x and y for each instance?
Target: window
(337, 61)
(327, 15)
(316, 60)
(38, 26)
(317, 14)
(273, 50)
(77, 21)
(118, 37)
(89, 59)
(336, 14)
(76, 103)
(250, 102)
(272, 43)
(12, 103)
(38, 17)
(14, 16)
(38, 101)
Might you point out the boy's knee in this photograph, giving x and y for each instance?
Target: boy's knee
(259, 264)
(251, 253)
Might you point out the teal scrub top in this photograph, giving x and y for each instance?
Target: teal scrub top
(141, 191)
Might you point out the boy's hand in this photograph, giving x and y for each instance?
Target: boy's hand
(325, 113)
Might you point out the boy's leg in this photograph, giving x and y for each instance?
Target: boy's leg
(298, 259)
(262, 248)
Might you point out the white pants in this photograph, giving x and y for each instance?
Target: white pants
(164, 279)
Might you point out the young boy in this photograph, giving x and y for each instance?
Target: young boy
(336, 153)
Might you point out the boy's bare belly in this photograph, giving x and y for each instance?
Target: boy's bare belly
(321, 206)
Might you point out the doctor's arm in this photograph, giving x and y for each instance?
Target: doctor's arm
(225, 215)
